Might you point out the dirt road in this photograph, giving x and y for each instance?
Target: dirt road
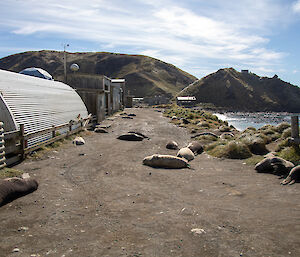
(99, 200)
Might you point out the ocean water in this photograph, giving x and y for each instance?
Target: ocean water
(243, 120)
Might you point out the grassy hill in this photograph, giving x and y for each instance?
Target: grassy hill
(245, 92)
(145, 76)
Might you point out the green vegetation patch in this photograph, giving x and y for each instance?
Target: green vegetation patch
(231, 150)
(291, 154)
(9, 173)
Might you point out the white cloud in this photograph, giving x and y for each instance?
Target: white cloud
(169, 30)
(296, 6)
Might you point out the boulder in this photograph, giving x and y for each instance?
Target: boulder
(172, 145)
(195, 147)
(165, 161)
(13, 188)
(186, 153)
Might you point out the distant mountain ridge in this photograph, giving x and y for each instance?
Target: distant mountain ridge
(145, 76)
(244, 91)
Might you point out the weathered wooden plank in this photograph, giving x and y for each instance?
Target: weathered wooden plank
(2, 142)
(2, 153)
(54, 128)
(50, 141)
(45, 131)
(3, 165)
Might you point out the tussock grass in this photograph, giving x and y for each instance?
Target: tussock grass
(231, 150)
(291, 154)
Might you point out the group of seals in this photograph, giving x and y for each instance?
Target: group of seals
(13, 188)
(278, 166)
(184, 155)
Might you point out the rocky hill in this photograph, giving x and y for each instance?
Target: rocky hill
(145, 76)
(245, 92)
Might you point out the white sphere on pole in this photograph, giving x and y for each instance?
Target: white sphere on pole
(74, 67)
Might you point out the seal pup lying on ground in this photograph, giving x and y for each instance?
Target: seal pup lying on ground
(293, 177)
(13, 188)
(172, 145)
(165, 161)
(138, 133)
(186, 153)
(275, 165)
(78, 141)
(195, 147)
(131, 137)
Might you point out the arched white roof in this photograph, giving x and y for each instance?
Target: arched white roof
(36, 103)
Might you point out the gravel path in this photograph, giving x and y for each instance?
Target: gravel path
(99, 200)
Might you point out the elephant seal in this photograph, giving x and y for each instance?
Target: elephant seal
(172, 145)
(13, 188)
(78, 141)
(293, 177)
(205, 134)
(100, 130)
(195, 147)
(275, 165)
(138, 133)
(186, 153)
(165, 161)
(131, 137)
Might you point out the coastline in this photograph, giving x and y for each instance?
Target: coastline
(243, 120)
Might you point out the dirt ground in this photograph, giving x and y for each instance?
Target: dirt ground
(99, 200)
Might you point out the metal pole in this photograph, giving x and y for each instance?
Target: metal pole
(65, 63)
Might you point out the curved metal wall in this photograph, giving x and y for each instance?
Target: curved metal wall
(38, 103)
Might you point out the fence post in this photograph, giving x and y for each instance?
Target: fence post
(22, 141)
(2, 147)
(295, 130)
(53, 132)
(295, 126)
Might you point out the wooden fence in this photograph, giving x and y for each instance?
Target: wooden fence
(2, 147)
(15, 142)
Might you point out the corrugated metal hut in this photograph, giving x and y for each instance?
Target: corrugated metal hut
(37, 103)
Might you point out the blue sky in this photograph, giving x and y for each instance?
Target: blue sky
(198, 36)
